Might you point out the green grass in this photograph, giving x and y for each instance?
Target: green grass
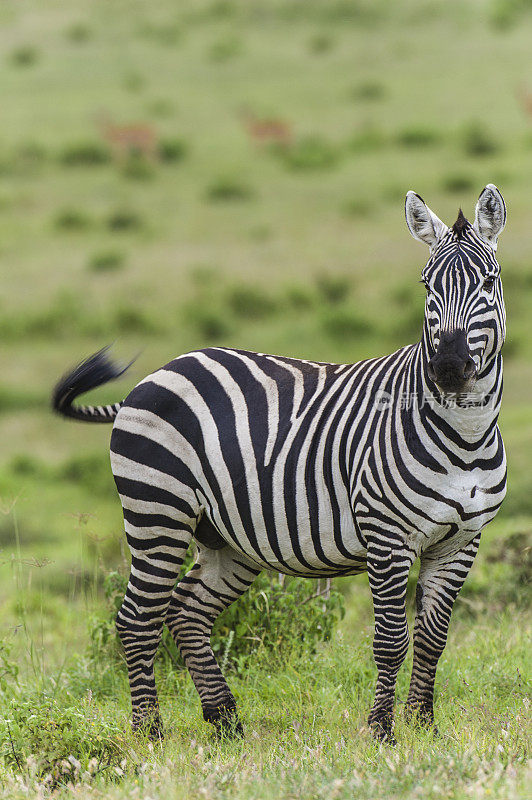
(302, 251)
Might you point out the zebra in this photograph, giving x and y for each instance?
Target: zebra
(314, 469)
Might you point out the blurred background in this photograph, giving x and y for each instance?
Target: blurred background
(174, 175)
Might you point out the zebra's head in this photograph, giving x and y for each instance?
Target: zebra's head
(464, 324)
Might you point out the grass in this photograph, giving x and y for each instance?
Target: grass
(301, 251)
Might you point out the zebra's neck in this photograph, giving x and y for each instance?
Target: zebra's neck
(471, 415)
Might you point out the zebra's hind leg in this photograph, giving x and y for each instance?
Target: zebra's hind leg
(218, 578)
(441, 577)
(157, 554)
(388, 575)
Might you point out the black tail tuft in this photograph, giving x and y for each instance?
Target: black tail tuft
(94, 371)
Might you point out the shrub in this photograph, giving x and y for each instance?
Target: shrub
(274, 620)
(210, 322)
(84, 154)
(333, 288)
(345, 323)
(225, 49)
(224, 189)
(250, 302)
(71, 220)
(311, 153)
(417, 137)
(172, 150)
(90, 471)
(124, 220)
(24, 56)
(137, 168)
(78, 32)
(477, 140)
(321, 43)
(367, 139)
(126, 319)
(299, 297)
(107, 261)
(458, 183)
(369, 90)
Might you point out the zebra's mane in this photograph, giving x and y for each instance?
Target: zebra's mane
(461, 225)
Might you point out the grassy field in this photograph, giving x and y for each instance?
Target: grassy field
(223, 239)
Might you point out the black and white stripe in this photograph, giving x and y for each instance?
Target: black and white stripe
(315, 469)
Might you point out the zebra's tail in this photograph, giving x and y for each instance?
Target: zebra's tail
(94, 371)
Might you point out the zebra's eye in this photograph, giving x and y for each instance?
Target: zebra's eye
(425, 284)
(489, 283)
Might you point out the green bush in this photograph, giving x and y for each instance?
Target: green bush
(209, 320)
(477, 141)
(274, 620)
(84, 154)
(71, 219)
(107, 261)
(417, 137)
(172, 150)
(78, 32)
(24, 56)
(345, 323)
(333, 288)
(250, 302)
(310, 153)
(458, 182)
(321, 43)
(226, 188)
(124, 220)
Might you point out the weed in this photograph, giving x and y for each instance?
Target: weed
(250, 302)
(311, 153)
(477, 141)
(172, 150)
(124, 220)
(126, 319)
(228, 189)
(107, 261)
(321, 43)
(84, 154)
(458, 182)
(345, 323)
(210, 322)
(24, 56)
(71, 219)
(417, 137)
(332, 288)
(79, 32)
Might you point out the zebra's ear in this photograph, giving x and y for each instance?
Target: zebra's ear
(490, 215)
(423, 223)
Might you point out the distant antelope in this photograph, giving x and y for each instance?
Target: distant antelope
(266, 130)
(129, 140)
(525, 97)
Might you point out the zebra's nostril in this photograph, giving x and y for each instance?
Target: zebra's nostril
(469, 368)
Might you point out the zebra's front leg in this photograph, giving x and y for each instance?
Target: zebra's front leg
(441, 577)
(388, 575)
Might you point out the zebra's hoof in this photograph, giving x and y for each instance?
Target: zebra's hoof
(225, 721)
(151, 727)
(421, 717)
(382, 729)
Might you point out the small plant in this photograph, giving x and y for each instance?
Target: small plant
(345, 323)
(311, 153)
(458, 182)
(79, 32)
(71, 219)
(225, 49)
(370, 91)
(417, 137)
(84, 154)
(250, 302)
(107, 261)
(124, 220)
(228, 189)
(321, 43)
(138, 168)
(367, 140)
(333, 288)
(477, 140)
(210, 322)
(24, 56)
(172, 150)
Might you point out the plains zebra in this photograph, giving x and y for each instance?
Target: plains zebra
(315, 469)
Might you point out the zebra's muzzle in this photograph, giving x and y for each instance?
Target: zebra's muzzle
(451, 368)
